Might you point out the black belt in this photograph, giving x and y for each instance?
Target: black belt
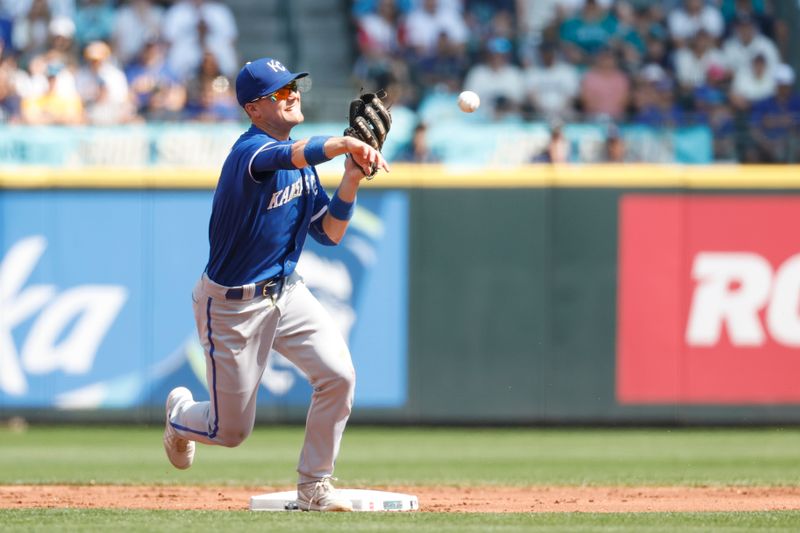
(269, 288)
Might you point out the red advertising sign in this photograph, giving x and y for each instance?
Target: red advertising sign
(709, 300)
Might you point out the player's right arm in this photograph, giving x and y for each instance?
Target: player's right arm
(361, 152)
(277, 155)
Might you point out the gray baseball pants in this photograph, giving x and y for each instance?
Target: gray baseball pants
(237, 336)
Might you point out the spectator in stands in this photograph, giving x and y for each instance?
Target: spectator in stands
(711, 110)
(558, 146)
(373, 69)
(217, 103)
(167, 103)
(424, 24)
(57, 8)
(751, 85)
(209, 94)
(534, 17)
(605, 89)
(655, 101)
(502, 23)
(9, 97)
(6, 27)
(651, 25)
(402, 92)
(630, 37)
(763, 13)
(552, 86)
(585, 34)
(58, 58)
(746, 43)
(497, 81)
(60, 52)
(418, 150)
(615, 148)
(103, 111)
(94, 21)
(378, 31)
(759, 10)
(487, 20)
(137, 23)
(149, 74)
(193, 26)
(693, 62)
(776, 120)
(643, 95)
(650, 21)
(54, 106)
(101, 75)
(379, 47)
(32, 29)
(62, 41)
(656, 53)
(695, 15)
(444, 69)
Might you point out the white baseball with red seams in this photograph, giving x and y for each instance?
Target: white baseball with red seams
(468, 101)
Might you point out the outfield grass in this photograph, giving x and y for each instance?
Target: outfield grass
(48, 520)
(426, 456)
(377, 456)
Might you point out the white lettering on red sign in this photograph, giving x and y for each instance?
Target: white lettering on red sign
(732, 288)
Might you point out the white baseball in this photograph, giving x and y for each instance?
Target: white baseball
(468, 101)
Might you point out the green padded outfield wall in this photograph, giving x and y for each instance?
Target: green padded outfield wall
(514, 295)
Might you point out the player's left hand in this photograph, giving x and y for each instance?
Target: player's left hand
(370, 122)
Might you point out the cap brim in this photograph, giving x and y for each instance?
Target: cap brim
(250, 85)
(288, 78)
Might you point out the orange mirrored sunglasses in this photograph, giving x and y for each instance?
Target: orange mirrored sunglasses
(301, 85)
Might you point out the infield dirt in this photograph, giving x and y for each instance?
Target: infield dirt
(432, 499)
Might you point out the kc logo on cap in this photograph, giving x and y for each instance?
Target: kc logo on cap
(275, 65)
(262, 77)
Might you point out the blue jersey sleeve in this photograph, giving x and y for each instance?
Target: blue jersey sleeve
(271, 156)
(321, 202)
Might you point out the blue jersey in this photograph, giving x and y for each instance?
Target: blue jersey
(263, 209)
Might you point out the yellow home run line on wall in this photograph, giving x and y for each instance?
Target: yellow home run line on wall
(433, 176)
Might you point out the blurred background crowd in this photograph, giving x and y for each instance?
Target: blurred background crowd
(724, 64)
(103, 62)
(665, 63)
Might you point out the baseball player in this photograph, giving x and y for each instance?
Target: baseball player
(250, 299)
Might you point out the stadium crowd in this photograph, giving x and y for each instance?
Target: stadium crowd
(104, 62)
(662, 63)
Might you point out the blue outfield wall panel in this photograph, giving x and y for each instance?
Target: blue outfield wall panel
(95, 291)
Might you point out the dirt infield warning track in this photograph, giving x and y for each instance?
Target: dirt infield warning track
(431, 499)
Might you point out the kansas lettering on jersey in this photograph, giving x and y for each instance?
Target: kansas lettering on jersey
(262, 210)
(290, 192)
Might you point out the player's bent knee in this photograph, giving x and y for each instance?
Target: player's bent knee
(346, 379)
(339, 382)
(233, 437)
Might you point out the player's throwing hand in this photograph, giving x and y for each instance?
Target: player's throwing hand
(366, 157)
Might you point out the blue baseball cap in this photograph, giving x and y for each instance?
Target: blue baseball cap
(262, 77)
(499, 45)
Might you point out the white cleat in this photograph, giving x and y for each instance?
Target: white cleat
(321, 496)
(180, 452)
